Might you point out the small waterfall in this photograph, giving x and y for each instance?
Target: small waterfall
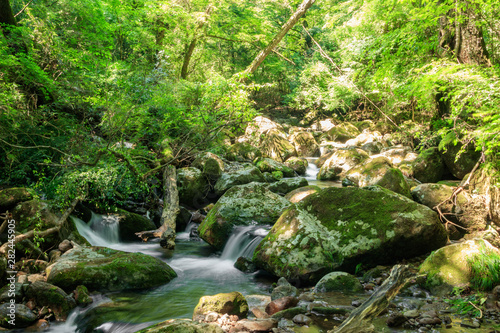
(106, 226)
(243, 242)
(312, 170)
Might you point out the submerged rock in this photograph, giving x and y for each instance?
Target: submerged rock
(241, 205)
(182, 326)
(338, 228)
(103, 269)
(231, 303)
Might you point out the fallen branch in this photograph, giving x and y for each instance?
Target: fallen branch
(41, 234)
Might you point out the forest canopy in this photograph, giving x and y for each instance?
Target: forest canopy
(82, 82)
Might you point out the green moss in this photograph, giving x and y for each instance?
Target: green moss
(231, 303)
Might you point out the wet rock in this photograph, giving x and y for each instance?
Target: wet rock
(241, 205)
(281, 304)
(301, 193)
(297, 164)
(470, 324)
(17, 314)
(225, 303)
(337, 228)
(104, 269)
(130, 223)
(258, 313)
(10, 197)
(46, 294)
(338, 281)
(259, 325)
(82, 296)
(245, 265)
(16, 288)
(283, 289)
(182, 326)
(302, 319)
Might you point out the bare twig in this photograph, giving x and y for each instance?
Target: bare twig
(22, 10)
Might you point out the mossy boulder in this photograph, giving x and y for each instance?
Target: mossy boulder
(182, 326)
(245, 175)
(429, 166)
(275, 145)
(10, 197)
(343, 132)
(449, 266)
(231, 303)
(301, 193)
(103, 269)
(82, 296)
(270, 165)
(379, 171)
(297, 164)
(192, 186)
(241, 151)
(287, 185)
(459, 162)
(340, 162)
(338, 281)
(372, 148)
(260, 125)
(241, 205)
(396, 154)
(46, 294)
(23, 316)
(305, 144)
(130, 223)
(210, 165)
(29, 214)
(338, 228)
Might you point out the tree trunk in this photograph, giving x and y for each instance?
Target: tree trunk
(190, 48)
(304, 6)
(464, 37)
(360, 319)
(6, 15)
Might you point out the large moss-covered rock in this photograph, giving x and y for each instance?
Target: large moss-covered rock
(10, 197)
(242, 176)
(396, 154)
(460, 163)
(338, 281)
(192, 186)
(275, 145)
(379, 171)
(341, 161)
(103, 269)
(260, 125)
(182, 326)
(210, 165)
(287, 185)
(270, 165)
(241, 205)
(305, 144)
(449, 266)
(46, 294)
(338, 228)
(343, 132)
(231, 303)
(429, 166)
(130, 223)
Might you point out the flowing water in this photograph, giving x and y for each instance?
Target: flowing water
(311, 173)
(201, 271)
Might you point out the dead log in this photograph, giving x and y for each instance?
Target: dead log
(360, 320)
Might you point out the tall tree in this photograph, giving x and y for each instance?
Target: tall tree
(190, 48)
(304, 6)
(6, 15)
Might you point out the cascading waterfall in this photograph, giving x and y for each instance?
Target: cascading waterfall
(106, 226)
(243, 242)
(312, 170)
